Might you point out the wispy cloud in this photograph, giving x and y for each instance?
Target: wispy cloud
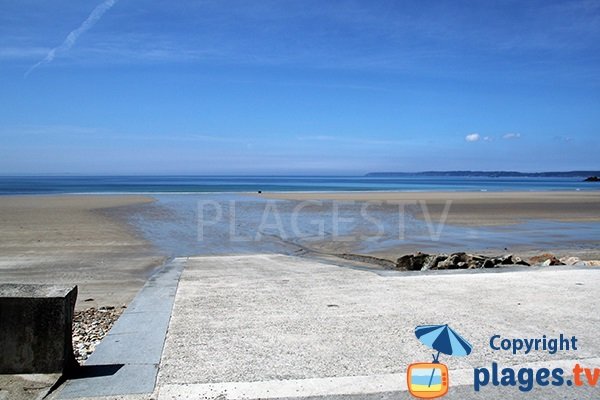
(563, 138)
(50, 130)
(510, 136)
(72, 132)
(473, 137)
(358, 36)
(10, 53)
(352, 140)
(320, 138)
(72, 37)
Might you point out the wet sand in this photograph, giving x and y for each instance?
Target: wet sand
(477, 208)
(491, 223)
(80, 240)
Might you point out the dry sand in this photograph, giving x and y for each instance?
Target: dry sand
(79, 240)
(478, 208)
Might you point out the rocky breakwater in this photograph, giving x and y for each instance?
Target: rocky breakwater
(548, 259)
(423, 262)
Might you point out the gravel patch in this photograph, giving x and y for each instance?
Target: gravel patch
(90, 326)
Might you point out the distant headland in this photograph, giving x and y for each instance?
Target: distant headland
(491, 174)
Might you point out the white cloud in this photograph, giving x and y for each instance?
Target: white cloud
(509, 136)
(473, 137)
(72, 37)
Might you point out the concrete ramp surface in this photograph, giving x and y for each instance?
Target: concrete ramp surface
(274, 326)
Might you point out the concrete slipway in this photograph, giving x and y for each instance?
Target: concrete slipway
(275, 326)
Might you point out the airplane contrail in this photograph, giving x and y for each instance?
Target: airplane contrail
(72, 37)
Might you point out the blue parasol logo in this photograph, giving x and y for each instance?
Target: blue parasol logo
(443, 339)
(431, 380)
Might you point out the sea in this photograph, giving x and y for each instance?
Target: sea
(19, 185)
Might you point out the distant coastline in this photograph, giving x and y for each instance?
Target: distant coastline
(489, 174)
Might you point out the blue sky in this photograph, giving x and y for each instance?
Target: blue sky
(278, 87)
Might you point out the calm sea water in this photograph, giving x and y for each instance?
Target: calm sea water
(219, 184)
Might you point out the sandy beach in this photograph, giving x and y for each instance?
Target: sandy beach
(478, 208)
(78, 240)
(90, 240)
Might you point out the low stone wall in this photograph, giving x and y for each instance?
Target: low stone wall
(35, 328)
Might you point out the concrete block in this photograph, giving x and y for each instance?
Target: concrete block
(36, 328)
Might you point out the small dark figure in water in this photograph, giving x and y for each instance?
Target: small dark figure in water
(260, 191)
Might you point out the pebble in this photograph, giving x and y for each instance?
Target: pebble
(90, 326)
